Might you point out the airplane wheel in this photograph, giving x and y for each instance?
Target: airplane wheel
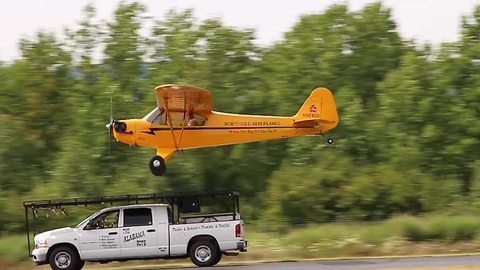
(330, 141)
(157, 165)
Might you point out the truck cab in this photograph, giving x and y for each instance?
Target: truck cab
(143, 231)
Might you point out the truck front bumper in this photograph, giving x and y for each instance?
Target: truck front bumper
(39, 256)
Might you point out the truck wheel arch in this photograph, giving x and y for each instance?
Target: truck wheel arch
(203, 237)
(50, 249)
(72, 246)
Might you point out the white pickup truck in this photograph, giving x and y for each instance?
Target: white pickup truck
(141, 231)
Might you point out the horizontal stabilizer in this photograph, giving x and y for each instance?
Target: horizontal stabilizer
(312, 121)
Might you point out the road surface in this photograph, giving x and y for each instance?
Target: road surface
(349, 264)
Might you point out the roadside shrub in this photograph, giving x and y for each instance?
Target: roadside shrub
(14, 247)
(408, 227)
(436, 228)
(375, 234)
(454, 228)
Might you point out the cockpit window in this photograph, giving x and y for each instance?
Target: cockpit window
(159, 117)
(155, 116)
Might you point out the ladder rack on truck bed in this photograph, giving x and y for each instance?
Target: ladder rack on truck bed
(182, 202)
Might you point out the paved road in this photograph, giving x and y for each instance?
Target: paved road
(362, 264)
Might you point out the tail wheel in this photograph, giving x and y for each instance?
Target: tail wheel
(330, 141)
(204, 253)
(64, 258)
(157, 165)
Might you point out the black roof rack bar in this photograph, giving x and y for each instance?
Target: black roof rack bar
(125, 198)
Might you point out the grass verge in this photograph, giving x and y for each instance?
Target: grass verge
(399, 236)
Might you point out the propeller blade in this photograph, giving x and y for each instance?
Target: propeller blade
(109, 140)
(110, 126)
(111, 109)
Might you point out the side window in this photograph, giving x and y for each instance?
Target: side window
(105, 220)
(178, 118)
(161, 118)
(196, 120)
(137, 217)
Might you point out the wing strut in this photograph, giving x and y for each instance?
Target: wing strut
(183, 126)
(170, 124)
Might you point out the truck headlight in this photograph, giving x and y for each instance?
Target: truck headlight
(41, 243)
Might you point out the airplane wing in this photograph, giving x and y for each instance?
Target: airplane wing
(183, 98)
(166, 153)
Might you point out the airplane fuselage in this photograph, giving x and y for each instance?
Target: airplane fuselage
(219, 129)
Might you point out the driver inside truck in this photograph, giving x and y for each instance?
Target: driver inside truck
(115, 222)
(107, 220)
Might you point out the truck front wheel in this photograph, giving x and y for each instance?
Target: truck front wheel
(64, 258)
(204, 253)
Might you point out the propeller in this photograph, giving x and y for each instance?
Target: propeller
(109, 126)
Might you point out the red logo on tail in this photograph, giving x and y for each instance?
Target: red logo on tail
(313, 108)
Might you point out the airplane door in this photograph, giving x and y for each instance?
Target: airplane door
(138, 233)
(102, 240)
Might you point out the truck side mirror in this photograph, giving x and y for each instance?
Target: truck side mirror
(89, 225)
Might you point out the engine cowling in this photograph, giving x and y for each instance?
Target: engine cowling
(120, 127)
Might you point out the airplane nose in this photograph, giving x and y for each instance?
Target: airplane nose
(108, 126)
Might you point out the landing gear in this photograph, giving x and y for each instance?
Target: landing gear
(157, 165)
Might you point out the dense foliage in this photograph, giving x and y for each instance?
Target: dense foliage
(408, 139)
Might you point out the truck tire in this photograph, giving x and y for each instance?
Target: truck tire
(219, 257)
(204, 253)
(64, 258)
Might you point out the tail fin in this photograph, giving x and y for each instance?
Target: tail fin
(319, 108)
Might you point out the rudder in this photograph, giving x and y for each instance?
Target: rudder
(320, 105)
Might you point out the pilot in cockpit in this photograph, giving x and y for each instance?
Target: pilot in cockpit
(191, 120)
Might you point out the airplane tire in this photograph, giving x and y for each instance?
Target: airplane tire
(330, 141)
(157, 165)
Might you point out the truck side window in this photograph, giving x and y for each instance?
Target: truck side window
(105, 220)
(137, 217)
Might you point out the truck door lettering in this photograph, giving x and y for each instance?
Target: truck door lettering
(107, 242)
(141, 243)
(133, 236)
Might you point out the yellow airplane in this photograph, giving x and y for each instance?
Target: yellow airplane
(184, 119)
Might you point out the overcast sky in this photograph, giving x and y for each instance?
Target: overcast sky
(424, 20)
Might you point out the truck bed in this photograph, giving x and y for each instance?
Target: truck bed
(208, 218)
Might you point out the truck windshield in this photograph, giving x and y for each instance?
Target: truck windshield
(85, 221)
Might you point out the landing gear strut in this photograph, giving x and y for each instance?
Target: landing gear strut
(157, 165)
